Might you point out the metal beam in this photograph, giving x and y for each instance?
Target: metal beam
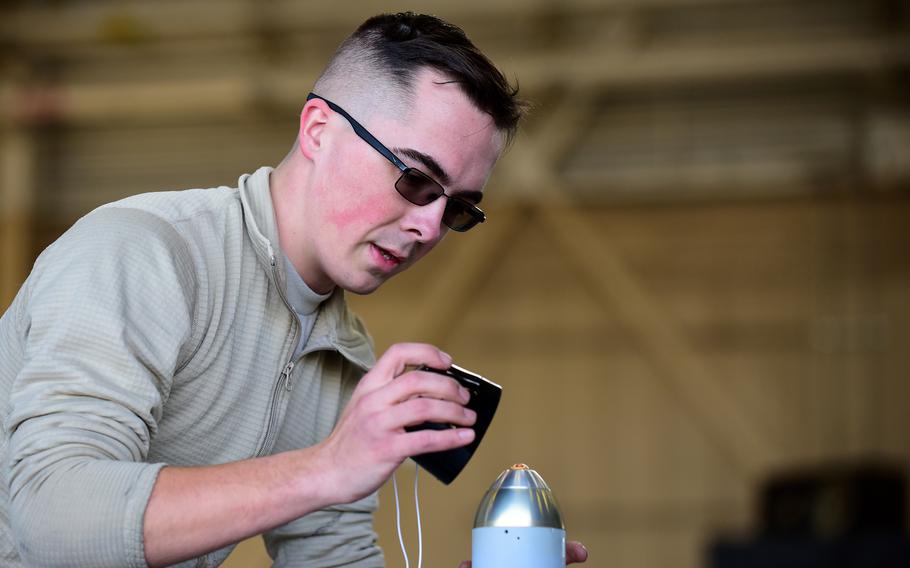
(139, 20)
(699, 64)
(577, 68)
(722, 418)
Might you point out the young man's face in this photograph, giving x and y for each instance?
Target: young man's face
(359, 231)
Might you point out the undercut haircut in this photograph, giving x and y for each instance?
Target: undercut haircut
(389, 50)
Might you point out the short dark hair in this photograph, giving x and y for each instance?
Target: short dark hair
(402, 44)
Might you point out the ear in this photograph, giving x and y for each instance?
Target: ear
(313, 119)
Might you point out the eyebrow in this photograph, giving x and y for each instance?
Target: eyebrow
(427, 161)
(435, 169)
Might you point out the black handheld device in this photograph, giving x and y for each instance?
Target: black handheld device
(485, 395)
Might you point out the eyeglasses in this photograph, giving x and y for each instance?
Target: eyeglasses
(414, 185)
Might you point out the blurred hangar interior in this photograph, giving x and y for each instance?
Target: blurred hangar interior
(693, 285)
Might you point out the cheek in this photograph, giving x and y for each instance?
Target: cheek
(366, 211)
(355, 196)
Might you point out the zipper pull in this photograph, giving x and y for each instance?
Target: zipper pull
(287, 375)
(271, 252)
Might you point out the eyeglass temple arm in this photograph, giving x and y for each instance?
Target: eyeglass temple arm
(363, 132)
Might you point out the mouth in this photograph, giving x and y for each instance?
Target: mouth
(386, 258)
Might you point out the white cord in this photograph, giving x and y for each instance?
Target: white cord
(404, 551)
(417, 509)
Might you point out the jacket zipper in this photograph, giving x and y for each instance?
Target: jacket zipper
(287, 376)
(284, 379)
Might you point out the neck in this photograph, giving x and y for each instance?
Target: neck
(287, 186)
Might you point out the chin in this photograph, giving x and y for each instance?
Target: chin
(361, 291)
(364, 287)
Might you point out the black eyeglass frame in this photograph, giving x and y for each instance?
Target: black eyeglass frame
(476, 214)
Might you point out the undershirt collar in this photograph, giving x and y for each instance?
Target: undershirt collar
(304, 301)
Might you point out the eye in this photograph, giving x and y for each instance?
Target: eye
(417, 187)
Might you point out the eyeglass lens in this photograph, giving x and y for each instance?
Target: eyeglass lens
(420, 189)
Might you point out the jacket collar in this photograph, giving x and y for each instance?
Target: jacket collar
(259, 214)
(336, 327)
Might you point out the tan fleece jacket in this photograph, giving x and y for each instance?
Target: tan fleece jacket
(156, 331)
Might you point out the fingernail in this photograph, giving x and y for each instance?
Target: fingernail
(447, 359)
(466, 434)
(470, 414)
(465, 394)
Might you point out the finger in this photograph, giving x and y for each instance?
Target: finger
(420, 410)
(426, 384)
(465, 564)
(575, 552)
(398, 357)
(426, 441)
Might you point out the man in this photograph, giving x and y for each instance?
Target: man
(180, 371)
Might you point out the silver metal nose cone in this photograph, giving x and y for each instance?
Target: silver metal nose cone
(519, 498)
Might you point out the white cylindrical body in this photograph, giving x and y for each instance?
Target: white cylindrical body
(524, 547)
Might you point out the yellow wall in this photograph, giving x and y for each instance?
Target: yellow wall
(794, 311)
(694, 272)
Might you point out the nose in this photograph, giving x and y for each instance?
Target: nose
(425, 221)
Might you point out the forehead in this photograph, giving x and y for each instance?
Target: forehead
(441, 122)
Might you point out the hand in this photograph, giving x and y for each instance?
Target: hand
(575, 552)
(370, 442)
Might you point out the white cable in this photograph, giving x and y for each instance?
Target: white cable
(404, 551)
(417, 508)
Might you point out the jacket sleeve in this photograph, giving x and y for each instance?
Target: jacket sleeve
(338, 536)
(108, 313)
